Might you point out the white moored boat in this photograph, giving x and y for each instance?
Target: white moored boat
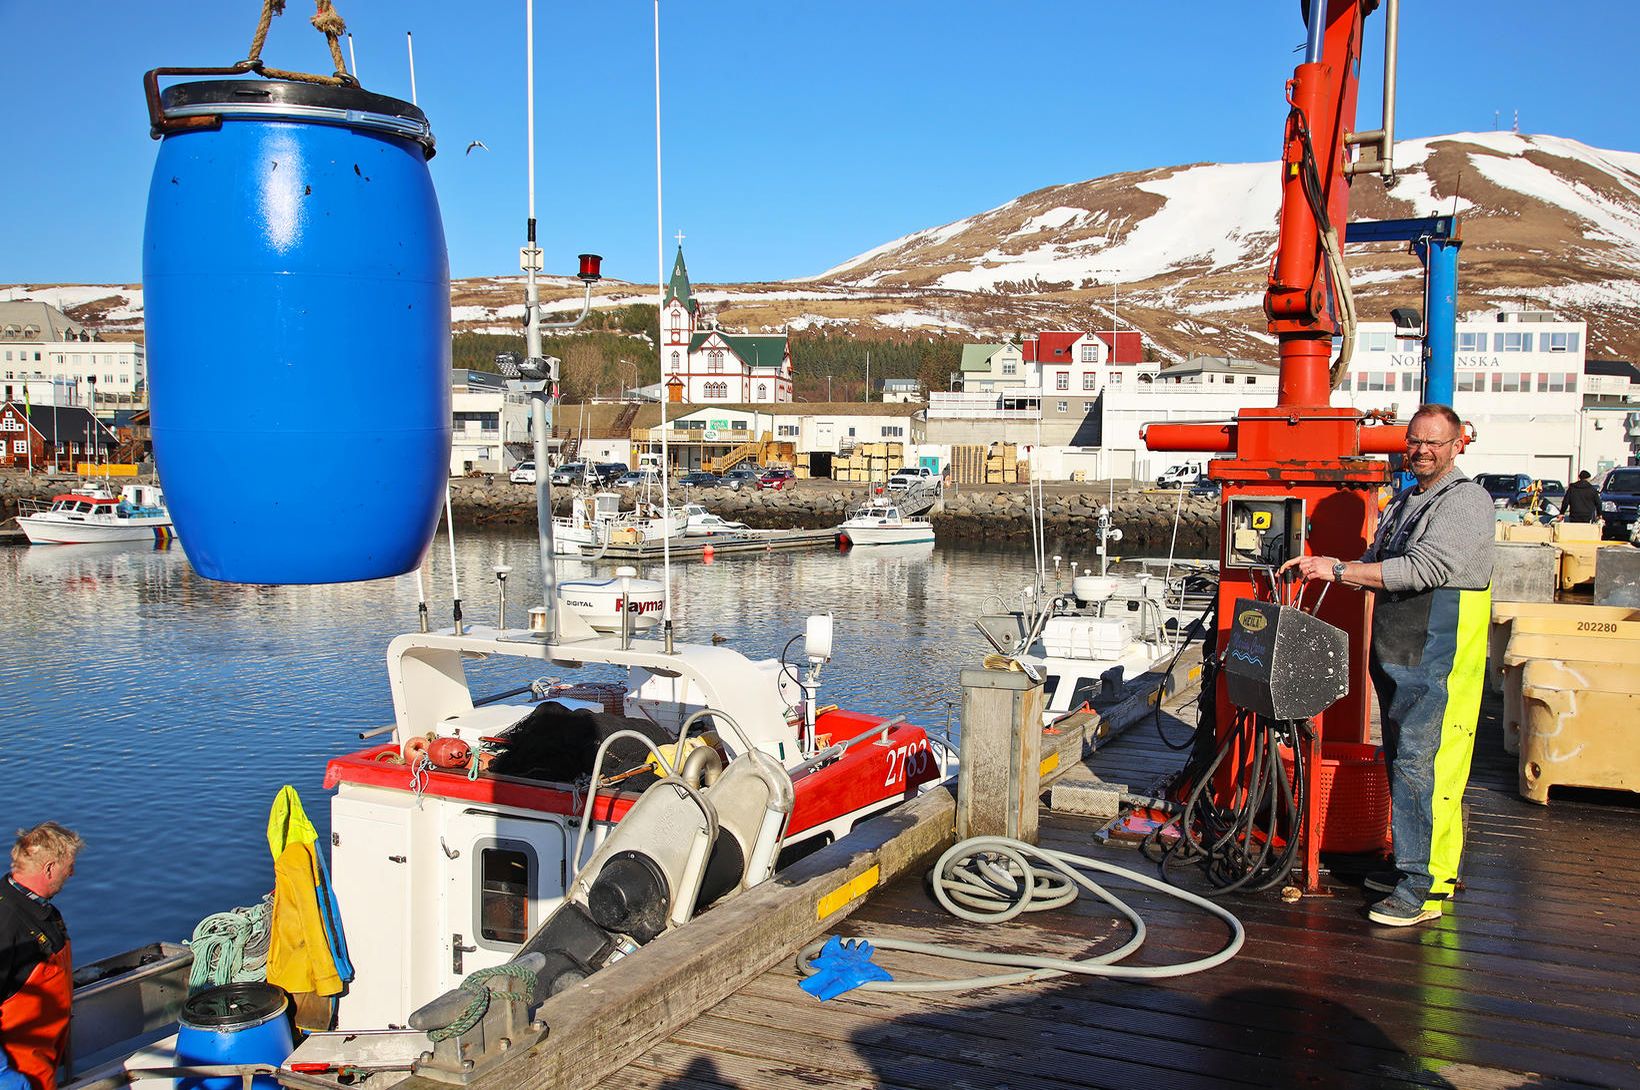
(879, 521)
(702, 523)
(590, 527)
(96, 514)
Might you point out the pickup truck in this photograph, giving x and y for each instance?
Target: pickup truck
(1620, 502)
(909, 476)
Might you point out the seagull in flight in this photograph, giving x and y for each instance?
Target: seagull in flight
(477, 144)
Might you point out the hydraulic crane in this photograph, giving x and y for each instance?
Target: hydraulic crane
(1301, 476)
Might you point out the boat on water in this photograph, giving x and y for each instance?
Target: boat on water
(879, 521)
(96, 513)
(1087, 639)
(699, 522)
(598, 520)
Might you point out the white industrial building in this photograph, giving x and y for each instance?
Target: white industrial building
(490, 423)
(1521, 379)
(63, 362)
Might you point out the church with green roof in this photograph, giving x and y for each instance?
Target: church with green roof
(702, 365)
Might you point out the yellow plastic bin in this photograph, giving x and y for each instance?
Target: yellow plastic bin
(1580, 726)
(1578, 559)
(1526, 647)
(1569, 621)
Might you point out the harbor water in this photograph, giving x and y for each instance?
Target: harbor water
(157, 712)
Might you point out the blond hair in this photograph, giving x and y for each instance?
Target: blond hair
(46, 842)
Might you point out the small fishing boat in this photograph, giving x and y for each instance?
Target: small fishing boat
(590, 526)
(95, 513)
(879, 521)
(702, 523)
(1085, 641)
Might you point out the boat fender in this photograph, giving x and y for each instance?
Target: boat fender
(449, 753)
(415, 748)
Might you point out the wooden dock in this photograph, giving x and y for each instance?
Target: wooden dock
(694, 548)
(1532, 978)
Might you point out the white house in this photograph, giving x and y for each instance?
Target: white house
(701, 364)
(59, 357)
(487, 413)
(697, 434)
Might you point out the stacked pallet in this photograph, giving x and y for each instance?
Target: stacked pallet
(1002, 464)
(868, 463)
(968, 463)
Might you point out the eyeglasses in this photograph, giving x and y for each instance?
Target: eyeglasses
(1429, 444)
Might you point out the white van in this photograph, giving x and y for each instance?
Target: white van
(1182, 475)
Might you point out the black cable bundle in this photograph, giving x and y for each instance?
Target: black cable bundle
(1236, 847)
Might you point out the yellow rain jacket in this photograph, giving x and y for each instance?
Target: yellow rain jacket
(299, 957)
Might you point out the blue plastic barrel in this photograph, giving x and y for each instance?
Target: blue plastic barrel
(233, 1024)
(297, 300)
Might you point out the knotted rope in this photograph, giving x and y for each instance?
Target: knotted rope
(326, 21)
(477, 985)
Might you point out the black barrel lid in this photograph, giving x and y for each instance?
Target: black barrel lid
(233, 1006)
(290, 99)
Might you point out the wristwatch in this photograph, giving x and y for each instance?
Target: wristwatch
(1338, 572)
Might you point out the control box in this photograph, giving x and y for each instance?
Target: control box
(1262, 531)
(1282, 663)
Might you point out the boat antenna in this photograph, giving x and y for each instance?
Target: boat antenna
(538, 371)
(455, 583)
(410, 51)
(421, 598)
(660, 357)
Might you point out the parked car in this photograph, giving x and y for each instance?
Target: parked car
(570, 473)
(1550, 496)
(607, 472)
(739, 477)
(523, 473)
(1620, 501)
(775, 479)
(1503, 487)
(907, 476)
(1182, 475)
(699, 479)
(633, 479)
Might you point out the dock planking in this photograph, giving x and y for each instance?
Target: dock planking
(1532, 978)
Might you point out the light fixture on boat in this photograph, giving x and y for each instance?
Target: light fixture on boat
(817, 638)
(591, 266)
(501, 573)
(538, 621)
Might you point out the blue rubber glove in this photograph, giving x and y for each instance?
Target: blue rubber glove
(841, 967)
(10, 1079)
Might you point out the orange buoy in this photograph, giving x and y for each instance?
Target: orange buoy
(449, 753)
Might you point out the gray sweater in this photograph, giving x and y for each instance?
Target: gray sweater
(1440, 537)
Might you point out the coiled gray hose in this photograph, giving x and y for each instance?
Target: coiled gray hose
(992, 879)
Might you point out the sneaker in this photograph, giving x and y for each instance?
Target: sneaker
(1396, 912)
(1382, 881)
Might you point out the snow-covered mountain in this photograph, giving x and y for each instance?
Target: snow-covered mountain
(1547, 223)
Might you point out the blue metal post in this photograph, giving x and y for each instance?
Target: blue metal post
(1440, 257)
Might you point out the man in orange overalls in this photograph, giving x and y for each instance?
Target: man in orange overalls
(36, 974)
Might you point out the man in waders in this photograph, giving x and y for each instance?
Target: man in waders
(1430, 568)
(36, 977)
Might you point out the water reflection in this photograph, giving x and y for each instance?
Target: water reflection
(157, 712)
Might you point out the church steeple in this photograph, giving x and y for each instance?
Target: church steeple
(678, 287)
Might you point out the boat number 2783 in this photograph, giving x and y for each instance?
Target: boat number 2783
(912, 759)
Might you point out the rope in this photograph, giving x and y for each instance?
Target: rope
(992, 879)
(477, 985)
(232, 947)
(326, 20)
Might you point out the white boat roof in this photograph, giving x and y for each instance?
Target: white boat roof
(429, 684)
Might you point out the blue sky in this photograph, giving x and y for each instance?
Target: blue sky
(796, 134)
